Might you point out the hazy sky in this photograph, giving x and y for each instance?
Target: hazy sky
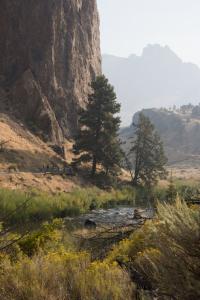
(127, 26)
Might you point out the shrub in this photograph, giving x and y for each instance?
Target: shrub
(167, 251)
(66, 276)
(42, 238)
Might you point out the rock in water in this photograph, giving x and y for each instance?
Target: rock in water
(90, 224)
(137, 214)
(50, 51)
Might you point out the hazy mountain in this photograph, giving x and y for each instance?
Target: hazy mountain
(179, 130)
(157, 78)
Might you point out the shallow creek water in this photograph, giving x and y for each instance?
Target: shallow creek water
(119, 216)
(112, 225)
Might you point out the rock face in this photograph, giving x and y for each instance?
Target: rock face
(50, 51)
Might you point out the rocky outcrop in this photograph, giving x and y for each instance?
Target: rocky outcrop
(31, 104)
(179, 131)
(50, 51)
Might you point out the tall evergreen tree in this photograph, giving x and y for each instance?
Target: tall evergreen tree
(147, 153)
(97, 141)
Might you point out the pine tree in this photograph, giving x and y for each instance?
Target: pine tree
(97, 141)
(147, 153)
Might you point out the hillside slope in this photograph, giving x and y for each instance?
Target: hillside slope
(23, 157)
(180, 132)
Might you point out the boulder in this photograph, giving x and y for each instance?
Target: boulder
(90, 224)
(137, 214)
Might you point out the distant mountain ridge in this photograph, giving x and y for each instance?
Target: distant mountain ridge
(157, 78)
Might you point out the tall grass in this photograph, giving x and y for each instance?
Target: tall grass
(17, 207)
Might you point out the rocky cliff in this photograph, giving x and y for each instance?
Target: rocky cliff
(50, 51)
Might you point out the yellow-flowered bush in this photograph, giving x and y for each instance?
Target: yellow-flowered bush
(63, 276)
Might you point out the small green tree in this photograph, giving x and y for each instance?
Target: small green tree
(147, 153)
(97, 140)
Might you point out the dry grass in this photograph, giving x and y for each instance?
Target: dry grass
(27, 153)
(46, 183)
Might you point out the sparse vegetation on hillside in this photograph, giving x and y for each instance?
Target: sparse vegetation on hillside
(179, 129)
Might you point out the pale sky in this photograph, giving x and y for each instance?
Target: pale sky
(127, 26)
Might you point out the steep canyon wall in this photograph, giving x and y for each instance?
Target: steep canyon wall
(49, 53)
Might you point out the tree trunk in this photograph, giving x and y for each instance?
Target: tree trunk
(107, 171)
(135, 179)
(137, 165)
(94, 166)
